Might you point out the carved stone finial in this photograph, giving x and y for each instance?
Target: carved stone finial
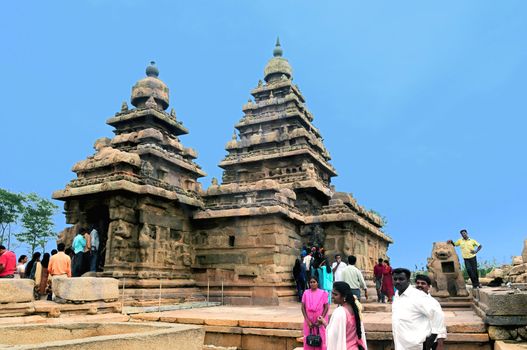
(151, 103)
(151, 70)
(277, 52)
(173, 113)
(249, 101)
(124, 106)
(271, 95)
(234, 135)
(260, 83)
(260, 130)
(214, 181)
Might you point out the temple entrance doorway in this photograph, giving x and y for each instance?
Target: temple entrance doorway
(99, 216)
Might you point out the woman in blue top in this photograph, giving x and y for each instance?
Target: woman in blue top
(325, 276)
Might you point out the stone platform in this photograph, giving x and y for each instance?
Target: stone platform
(279, 327)
(106, 335)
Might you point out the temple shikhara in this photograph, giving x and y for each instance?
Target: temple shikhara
(243, 233)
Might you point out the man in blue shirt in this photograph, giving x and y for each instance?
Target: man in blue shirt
(78, 245)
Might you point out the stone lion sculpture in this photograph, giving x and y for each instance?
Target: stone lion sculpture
(445, 272)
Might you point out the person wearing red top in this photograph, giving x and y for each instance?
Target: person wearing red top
(7, 263)
(387, 281)
(378, 272)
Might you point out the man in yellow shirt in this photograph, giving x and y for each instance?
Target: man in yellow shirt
(469, 248)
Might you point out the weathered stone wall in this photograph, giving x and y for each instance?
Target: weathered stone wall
(348, 238)
(251, 249)
(151, 236)
(144, 237)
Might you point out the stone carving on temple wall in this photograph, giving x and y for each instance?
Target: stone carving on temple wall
(147, 169)
(147, 237)
(445, 271)
(121, 233)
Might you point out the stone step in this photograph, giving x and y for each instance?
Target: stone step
(501, 345)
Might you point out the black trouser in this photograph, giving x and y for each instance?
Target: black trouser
(430, 342)
(77, 264)
(300, 287)
(472, 269)
(427, 347)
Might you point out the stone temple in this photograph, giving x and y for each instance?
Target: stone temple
(241, 235)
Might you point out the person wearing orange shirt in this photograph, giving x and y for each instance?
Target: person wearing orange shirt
(60, 263)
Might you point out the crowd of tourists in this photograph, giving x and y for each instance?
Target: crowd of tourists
(74, 261)
(418, 321)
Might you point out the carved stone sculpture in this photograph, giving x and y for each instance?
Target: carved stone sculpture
(445, 271)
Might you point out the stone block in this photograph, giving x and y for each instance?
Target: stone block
(501, 302)
(14, 290)
(518, 270)
(498, 333)
(495, 273)
(524, 251)
(82, 289)
(517, 260)
(123, 213)
(501, 345)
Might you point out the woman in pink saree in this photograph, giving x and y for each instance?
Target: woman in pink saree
(314, 305)
(344, 331)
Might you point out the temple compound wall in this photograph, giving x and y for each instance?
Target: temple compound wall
(239, 238)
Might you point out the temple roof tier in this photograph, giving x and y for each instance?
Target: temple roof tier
(166, 141)
(271, 116)
(109, 185)
(283, 152)
(276, 137)
(276, 85)
(123, 121)
(171, 157)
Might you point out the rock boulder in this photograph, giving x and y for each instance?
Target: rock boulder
(80, 289)
(517, 260)
(14, 290)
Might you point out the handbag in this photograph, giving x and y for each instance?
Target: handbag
(314, 339)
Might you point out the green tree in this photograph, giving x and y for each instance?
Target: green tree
(11, 208)
(36, 221)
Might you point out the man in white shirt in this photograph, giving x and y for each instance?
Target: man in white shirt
(337, 267)
(307, 260)
(414, 319)
(94, 247)
(423, 283)
(353, 277)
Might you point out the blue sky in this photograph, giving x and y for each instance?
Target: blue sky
(421, 104)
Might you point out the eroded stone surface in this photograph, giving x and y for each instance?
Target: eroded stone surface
(15, 290)
(81, 289)
(503, 302)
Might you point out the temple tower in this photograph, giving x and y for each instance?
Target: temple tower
(275, 196)
(278, 141)
(140, 188)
